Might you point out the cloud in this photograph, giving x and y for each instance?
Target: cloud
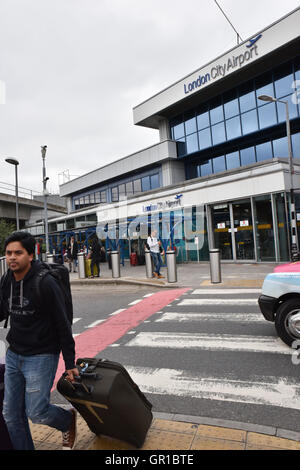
(74, 70)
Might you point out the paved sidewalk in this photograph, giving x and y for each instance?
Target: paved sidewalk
(188, 275)
(179, 432)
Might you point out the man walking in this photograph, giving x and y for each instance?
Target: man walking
(39, 330)
(155, 246)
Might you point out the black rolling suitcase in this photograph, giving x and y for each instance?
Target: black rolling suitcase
(108, 400)
(5, 442)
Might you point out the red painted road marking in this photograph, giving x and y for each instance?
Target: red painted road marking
(92, 341)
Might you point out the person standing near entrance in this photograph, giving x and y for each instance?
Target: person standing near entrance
(39, 330)
(72, 254)
(155, 250)
(95, 256)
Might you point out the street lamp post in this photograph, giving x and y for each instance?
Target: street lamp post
(294, 247)
(15, 162)
(45, 194)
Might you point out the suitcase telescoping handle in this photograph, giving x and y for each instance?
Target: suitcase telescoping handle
(78, 385)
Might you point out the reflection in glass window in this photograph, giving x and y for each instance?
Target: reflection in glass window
(154, 179)
(267, 115)
(231, 105)
(205, 139)
(249, 122)
(218, 133)
(247, 97)
(192, 143)
(114, 194)
(129, 188)
(219, 164)
(103, 197)
(122, 192)
(178, 131)
(248, 156)
(137, 186)
(205, 169)
(190, 125)
(264, 86)
(146, 183)
(232, 160)
(216, 113)
(264, 152)
(203, 120)
(280, 147)
(296, 145)
(92, 198)
(283, 78)
(281, 110)
(233, 128)
(97, 197)
(181, 147)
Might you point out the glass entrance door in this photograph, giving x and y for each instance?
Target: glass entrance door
(233, 230)
(221, 221)
(243, 230)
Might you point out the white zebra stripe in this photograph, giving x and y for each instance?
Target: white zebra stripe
(192, 317)
(271, 391)
(225, 291)
(218, 302)
(95, 323)
(258, 344)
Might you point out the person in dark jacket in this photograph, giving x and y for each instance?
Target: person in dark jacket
(38, 332)
(72, 254)
(95, 256)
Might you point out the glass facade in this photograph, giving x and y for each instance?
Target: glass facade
(238, 116)
(118, 192)
(246, 156)
(254, 229)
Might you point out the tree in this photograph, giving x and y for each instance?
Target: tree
(6, 229)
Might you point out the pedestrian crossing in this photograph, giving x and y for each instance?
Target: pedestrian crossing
(180, 331)
(270, 391)
(262, 344)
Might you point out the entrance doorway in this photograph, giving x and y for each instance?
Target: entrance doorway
(233, 230)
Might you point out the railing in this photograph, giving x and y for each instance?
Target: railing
(22, 192)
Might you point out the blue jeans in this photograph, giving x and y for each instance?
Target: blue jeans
(157, 261)
(28, 382)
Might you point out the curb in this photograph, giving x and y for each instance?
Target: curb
(224, 423)
(120, 281)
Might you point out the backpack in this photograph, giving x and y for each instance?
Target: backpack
(60, 274)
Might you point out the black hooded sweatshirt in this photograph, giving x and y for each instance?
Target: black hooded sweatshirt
(37, 328)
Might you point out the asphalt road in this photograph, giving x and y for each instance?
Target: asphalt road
(204, 354)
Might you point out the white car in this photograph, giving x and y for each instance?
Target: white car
(280, 301)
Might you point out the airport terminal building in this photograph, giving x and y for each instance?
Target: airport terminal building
(220, 174)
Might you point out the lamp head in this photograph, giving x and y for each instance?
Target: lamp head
(12, 161)
(270, 99)
(44, 149)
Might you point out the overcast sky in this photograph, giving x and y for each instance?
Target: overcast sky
(74, 69)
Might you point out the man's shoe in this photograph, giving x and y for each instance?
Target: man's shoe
(155, 274)
(160, 276)
(69, 437)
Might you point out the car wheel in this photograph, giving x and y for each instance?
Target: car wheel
(287, 321)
